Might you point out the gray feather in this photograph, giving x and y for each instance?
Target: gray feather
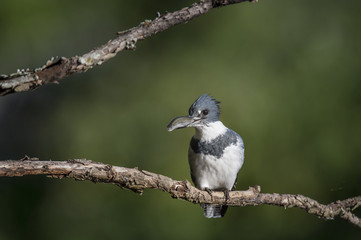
(214, 211)
(216, 146)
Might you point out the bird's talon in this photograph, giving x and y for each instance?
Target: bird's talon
(226, 194)
(209, 191)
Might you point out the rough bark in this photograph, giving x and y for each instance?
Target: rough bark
(58, 68)
(138, 180)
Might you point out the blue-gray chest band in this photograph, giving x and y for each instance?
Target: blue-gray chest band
(216, 146)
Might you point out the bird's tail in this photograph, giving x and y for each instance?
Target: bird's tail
(214, 211)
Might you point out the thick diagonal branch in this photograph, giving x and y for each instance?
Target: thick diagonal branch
(138, 180)
(58, 68)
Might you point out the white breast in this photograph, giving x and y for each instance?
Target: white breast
(217, 173)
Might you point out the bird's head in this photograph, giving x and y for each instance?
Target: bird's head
(203, 111)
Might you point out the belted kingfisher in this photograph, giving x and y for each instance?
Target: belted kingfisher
(216, 153)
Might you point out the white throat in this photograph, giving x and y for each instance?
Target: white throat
(210, 131)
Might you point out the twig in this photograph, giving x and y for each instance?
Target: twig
(138, 180)
(58, 68)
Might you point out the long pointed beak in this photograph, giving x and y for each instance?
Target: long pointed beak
(180, 122)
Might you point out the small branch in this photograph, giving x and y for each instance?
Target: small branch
(58, 68)
(138, 180)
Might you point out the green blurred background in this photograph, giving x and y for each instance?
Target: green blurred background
(288, 74)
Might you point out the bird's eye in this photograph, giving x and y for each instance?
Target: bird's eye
(205, 112)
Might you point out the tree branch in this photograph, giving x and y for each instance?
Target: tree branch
(58, 68)
(138, 180)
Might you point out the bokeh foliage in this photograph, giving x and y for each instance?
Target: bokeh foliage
(287, 73)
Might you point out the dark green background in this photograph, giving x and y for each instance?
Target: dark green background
(288, 74)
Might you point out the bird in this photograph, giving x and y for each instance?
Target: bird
(215, 153)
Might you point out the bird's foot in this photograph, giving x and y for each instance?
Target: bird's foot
(226, 194)
(209, 191)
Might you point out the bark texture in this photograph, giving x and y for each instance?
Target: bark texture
(58, 68)
(138, 180)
